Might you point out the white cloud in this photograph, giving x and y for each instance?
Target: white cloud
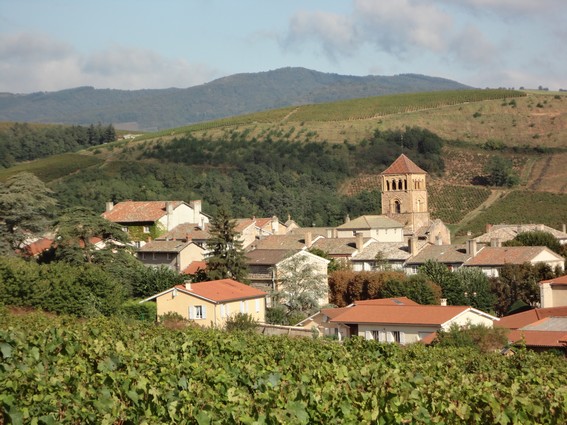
(31, 62)
(335, 33)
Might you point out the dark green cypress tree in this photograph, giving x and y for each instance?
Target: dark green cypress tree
(226, 257)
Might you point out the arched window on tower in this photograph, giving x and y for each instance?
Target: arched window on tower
(388, 185)
(405, 184)
(393, 185)
(397, 207)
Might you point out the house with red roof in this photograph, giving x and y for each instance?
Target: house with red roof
(145, 220)
(322, 319)
(491, 259)
(401, 321)
(173, 253)
(211, 303)
(539, 329)
(553, 292)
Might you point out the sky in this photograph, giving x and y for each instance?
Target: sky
(50, 45)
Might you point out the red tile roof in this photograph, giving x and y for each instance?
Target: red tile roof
(497, 256)
(138, 211)
(194, 267)
(38, 246)
(519, 320)
(562, 280)
(387, 301)
(403, 165)
(222, 290)
(539, 338)
(396, 314)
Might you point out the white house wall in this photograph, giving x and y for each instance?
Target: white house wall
(409, 334)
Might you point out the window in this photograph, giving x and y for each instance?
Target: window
(197, 312)
(257, 305)
(243, 307)
(146, 229)
(397, 336)
(222, 311)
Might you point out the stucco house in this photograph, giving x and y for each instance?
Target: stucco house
(453, 256)
(173, 253)
(145, 220)
(379, 227)
(553, 292)
(265, 268)
(322, 319)
(506, 232)
(491, 259)
(404, 323)
(209, 304)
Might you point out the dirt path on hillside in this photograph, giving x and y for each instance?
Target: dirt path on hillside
(495, 195)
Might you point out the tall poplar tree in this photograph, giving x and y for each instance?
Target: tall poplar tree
(226, 257)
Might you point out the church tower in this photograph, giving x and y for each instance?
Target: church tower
(404, 194)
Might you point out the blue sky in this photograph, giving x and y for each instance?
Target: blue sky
(48, 45)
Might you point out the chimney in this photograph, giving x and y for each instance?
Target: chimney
(444, 302)
(438, 240)
(308, 239)
(329, 233)
(275, 225)
(412, 245)
(187, 237)
(469, 233)
(471, 247)
(335, 233)
(168, 208)
(187, 284)
(495, 242)
(347, 218)
(564, 228)
(359, 241)
(488, 228)
(110, 206)
(196, 205)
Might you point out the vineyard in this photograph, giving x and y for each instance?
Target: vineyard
(452, 203)
(53, 167)
(372, 107)
(523, 206)
(104, 371)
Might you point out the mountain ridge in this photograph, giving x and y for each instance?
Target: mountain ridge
(237, 94)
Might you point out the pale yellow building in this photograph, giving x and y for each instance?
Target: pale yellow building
(209, 304)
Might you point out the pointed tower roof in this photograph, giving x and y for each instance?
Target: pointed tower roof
(403, 165)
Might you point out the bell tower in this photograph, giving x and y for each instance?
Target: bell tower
(404, 194)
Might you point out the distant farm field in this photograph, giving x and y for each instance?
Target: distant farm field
(53, 167)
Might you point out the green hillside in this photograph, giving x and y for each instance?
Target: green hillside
(317, 163)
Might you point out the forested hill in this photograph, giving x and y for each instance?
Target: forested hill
(229, 96)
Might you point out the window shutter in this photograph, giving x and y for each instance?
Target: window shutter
(204, 311)
(389, 337)
(257, 305)
(368, 335)
(402, 338)
(242, 306)
(191, 312)
(222, 312)
(382, 336)
(227, 310)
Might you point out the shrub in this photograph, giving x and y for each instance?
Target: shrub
(240, 322)
(481, 337)
(134, 310)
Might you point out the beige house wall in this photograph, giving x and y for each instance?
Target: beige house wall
(215, 314)
(550, 259)
(553, 295)
(191, 253)
(470, 317)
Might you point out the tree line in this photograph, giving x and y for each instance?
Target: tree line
(25, 142)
